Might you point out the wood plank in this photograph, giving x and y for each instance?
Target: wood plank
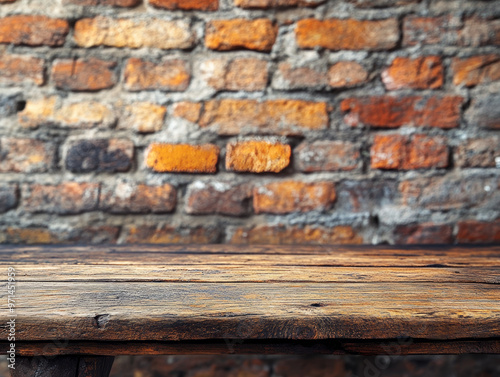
(175, 311)
(252, 274)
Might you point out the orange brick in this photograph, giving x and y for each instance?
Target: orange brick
(26, 155)
(472, 231)
(190, 111)
(419, 73)
(284, 117)
(292, 235)
(405, 153)
(182, 158)
(64, 199)
(143, 117)
(293, 196)
(476, 70)
(33, 30)
(89, 235)
(207, 5)
(115, 3)
(170, 75)
(154, 33)
(346, 74)
(224, 35)
(265, 4)
(257, 156)
(168, 234)
(388, 111)
(336, 34)
(327, 155)
(248, 74)
(21, 69)
(84, 75)
(128, 197)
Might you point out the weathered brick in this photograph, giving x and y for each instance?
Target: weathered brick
(289, 77)
(63, 199)
(115, 3)
(224, 35)
(55, 112)
(484, 111)
(206, 5)
(7, 1)
(14, 235)
(426, 233)
(472, 231)
(21, 69)
(84, 74)
(478, 153)
(154, 33)
(293, 235)
(8, 196)
(257, 156)
(419, 73)
(104, 234)
(266, 4)
(451, 192)
(480, 32)
(293, 196)
(327, 155)
(405, 153)
(128, 197)
(247, 74)
(9, 104)
(390, 112)
(218, 197)
(284, 117)
(169, 75)
(182, 158)
(190, 111)
(382, 3)
(99, 155)
(143, 117)
(365, 195)
(346, 74)
(337, 34)
(26, 155)
(169, 234)
(33, 30)
(481, 69)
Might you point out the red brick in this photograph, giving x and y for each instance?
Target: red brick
(382, 3)
(33, 30)
(390, 112)
(26, 155)
(170, 75)
(115, 3)
(21, 69)
(257, 156)
(427, 233)
(182, 158)
(293, 235)
(293, 196)
(99, 155)
(481, 69)
(405, 153)
(484, 111)
(169, 234)
(218, 197)
(143, 117)
(9, 196)
(153, 33)
(420, 73)
(207, 5)
(84, 75)
(266, 4)
(224, 35)
(283, 117)
(350, 34)
(64, 199)
(327, 156)
(128, 197)
(472, 231)
(34, 235)
(451, 192)
(478, 153)
(247, 74)
(346, 74)
(289, 77)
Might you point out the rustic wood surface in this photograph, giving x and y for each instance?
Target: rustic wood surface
(241, 297)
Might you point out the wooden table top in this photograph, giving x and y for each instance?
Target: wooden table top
(253, 299)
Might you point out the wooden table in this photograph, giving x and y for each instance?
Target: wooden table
(81, 303)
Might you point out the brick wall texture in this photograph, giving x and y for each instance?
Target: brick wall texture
(249, 121)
